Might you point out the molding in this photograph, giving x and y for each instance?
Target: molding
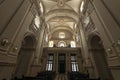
(115, 67)
(7, 64)
(37, 65)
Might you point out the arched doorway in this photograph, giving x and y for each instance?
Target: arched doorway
(25, 56)
(100, 58)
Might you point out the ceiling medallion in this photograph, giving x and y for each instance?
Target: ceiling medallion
(61, 21)
(61, 3)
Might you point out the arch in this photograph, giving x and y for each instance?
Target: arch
(99, 56)
(90, 36)
(61, 44)
(32, 36)
(66, 6)
(25, 56)
(61, 17)
(61, 12)
(67, 34)
(60, 27)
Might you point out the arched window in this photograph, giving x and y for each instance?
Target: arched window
(75, 26)
(41, 8)
(73, 44)
(51, 43)
(86, 20)
(61, 44)
(37, 21)
(46, 39)
(61, 35)
(82, 6)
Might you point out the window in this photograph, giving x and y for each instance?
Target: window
(61, 44)
(75, 26)
(82, 6)
(74, 63)
(37, 21)
(51, 43)
(41, 8)
(46, 39)
(77, 37)
(61, 35)
(49, 65)
(86, 20)
(73, 44)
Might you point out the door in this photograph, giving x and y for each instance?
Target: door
(61, 64)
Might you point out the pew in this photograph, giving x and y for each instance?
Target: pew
(79, 76)
(47, 75)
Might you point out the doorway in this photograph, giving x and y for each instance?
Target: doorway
(100, 58)
(61, 63)
(25, 57)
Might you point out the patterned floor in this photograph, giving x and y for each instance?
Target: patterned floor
(61, 77)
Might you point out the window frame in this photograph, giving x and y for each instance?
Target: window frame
(74, 63)
(50, 61)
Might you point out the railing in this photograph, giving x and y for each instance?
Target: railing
(62, 48)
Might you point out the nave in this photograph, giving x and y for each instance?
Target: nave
(59, 39)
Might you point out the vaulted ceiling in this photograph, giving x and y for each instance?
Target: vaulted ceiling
(61, 16)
